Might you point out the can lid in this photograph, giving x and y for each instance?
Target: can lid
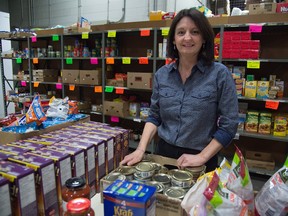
(115, 175)
(175, 192)
(126, 170)
(159, 186)
(75, 182)
(78, 205)
(181, 175)
(162, 177)
(145, 167)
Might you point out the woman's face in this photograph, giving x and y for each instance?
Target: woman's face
(187, 39)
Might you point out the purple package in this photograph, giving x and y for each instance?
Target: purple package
(5, 204)
(43, 140)
(22, 187)
(12, 149)
(46, 191)
(26, 145)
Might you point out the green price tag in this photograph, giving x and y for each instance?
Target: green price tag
(18, 60)
(85, 35)
(111, 33)
(109, 88)
(165, 31)
(253, 64)
(55, 37)
(69, 61)
(126, 60)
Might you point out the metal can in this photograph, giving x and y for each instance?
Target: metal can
(111, 177)
(128, 171)
(157, 166)
(159, 186)
(145, 169)
(196, 171)
(181, 178)
(137, 177)
(175, 192)
(163, 178)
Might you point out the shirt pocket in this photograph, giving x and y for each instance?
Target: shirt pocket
(203, 100)
(167, 97)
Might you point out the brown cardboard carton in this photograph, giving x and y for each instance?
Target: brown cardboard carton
(139, 80)
(260, 160)
(56, 31)
(91, 77)
(120, 109)
(262, 8)
(70, 76)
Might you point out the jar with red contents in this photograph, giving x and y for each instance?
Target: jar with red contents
(75, 187)
(79, 207)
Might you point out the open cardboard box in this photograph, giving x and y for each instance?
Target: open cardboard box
(7, 137)
(260, 160)
(165, 206)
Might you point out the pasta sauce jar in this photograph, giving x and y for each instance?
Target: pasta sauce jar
(75, 187)
(79, 207)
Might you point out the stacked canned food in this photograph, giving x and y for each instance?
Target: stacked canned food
(173, 183)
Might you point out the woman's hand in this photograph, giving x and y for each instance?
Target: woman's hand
(133, 158)
(189, 160)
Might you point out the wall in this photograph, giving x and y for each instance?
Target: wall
(48, 13)
(4, 6)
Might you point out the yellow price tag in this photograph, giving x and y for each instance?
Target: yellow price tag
(253, 64)
(85, 35)
(126, 60)
(165, 31)
(112, 33)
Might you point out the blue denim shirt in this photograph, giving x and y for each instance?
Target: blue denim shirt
(190, 115)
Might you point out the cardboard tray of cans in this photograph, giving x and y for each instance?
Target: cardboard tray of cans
(165, 205)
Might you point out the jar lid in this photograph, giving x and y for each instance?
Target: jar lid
(75, 182)
(78, 205)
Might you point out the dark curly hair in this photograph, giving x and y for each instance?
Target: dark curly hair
(207, 51)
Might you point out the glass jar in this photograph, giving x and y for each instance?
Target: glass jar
(75, 187)
(79, 207)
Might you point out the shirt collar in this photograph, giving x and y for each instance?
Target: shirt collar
(200, 66)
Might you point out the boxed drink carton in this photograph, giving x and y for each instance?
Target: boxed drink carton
(22, 188)
(46, 192)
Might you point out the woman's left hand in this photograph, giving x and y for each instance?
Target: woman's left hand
(190, 160)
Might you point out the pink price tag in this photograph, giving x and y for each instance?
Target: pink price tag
(255, 28)
(94, 60)
(23, 83)
(114, 119)
(58, 85)
(34, 39)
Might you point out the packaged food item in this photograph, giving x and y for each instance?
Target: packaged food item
(79, 207)
(264, 123)
(58, 108)
(280, 124)
(251, 124)
(35, 112)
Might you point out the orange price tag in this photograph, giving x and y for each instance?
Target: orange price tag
(71, 87)
(36, 84)
(143, 60)
(119, 90)
(98, 89)
(145, 32)
(35, 60)
(272, 104)
(110, 61)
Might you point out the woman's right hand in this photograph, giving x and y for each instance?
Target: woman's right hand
(133, 158)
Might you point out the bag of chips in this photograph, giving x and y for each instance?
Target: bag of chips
(35, 112)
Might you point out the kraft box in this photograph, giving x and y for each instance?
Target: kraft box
(47, 201)
(71, 76)
(139, 80)
(22, 188)
(116, 108)
(129, 198)
(91, 77)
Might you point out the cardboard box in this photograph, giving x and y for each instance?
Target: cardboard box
(262, 8)
(5, 204)
(71, 76)
(282, 8)
(45, 78)
(45, 72)
(91, 77)
(47, 201)
(7, 137)
(55, 31)
(165, 206)
(5, 34)
(139, 80)
(120, 109)
(260, 160)
(22, 188)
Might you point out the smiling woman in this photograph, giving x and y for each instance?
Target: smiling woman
(194, 105)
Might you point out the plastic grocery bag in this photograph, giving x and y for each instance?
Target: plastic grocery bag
(272, 199)
(239, 181)
(222, 201)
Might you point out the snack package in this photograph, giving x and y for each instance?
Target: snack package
(35, 112)
(222, 201)
(239, 181)
(58, 108)
(73, 107)
(224, 171)
(272, 199)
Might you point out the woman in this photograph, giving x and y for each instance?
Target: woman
(194, 106)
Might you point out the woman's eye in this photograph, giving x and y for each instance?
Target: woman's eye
(180, 32)
(195, 32)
